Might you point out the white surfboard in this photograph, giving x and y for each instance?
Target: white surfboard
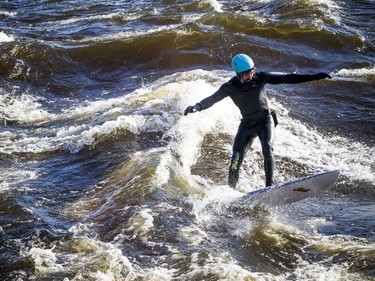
(290, 191)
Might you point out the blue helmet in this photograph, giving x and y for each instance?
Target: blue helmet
(241, 63)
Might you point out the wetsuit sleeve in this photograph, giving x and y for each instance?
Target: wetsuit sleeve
(292, 78)
(220, 94)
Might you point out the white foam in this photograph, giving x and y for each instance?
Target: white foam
(4, 186)
(223, 267)
(75, 138)
(329, 244)
(141, 223)
(330, 8)
(8, 14)
(24, 109)
(189, 18)
(216, 5)
(359, 72)
(188, 132)
(93, 120)
(83, 257)
(45, 260)
(319, 271)
(128, 17)
(129, 34)
(5, 38)
(306, 146)
(16, 178)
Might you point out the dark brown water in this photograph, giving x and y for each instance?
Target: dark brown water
(102, 178)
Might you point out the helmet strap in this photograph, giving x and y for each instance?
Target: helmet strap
(239, 75)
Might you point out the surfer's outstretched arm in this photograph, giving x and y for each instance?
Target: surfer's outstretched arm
(294, 78)
(207, 102)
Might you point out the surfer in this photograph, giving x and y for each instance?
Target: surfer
(247, 91)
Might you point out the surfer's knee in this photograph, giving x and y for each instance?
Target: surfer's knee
(267, 150)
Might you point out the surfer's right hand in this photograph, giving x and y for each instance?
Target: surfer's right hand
(193, 108)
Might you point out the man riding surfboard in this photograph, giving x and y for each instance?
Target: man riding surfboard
(247, 91)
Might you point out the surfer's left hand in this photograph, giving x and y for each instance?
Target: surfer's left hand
(323, 75)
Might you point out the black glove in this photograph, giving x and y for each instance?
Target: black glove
(323, 75)
(192, 109)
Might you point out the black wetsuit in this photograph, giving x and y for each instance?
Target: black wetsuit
(251, 99)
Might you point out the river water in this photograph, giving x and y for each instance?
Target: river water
(103, 178)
